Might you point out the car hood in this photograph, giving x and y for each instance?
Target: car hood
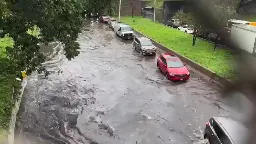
(148, 47)
(178, 71)
(127, 32)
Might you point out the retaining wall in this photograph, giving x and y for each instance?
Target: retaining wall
(15, 111)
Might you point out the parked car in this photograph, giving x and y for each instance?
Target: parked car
(175, 23)
(186, 29)
(104, 19)
(123, 30)
(225, 130)
(112, 23)
(172, 67)
(144, 46)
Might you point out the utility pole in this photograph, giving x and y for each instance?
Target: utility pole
(119, 16)
(154, 10)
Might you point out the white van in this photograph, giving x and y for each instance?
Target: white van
(123, 30)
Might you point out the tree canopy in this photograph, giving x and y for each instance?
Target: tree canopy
(57, 20)
(222, 9)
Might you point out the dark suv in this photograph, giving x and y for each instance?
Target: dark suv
(224, 130)
(144, 46)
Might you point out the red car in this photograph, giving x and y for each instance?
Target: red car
(172, 67)
(104, 19)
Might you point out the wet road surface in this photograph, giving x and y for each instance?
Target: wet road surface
(109, 94)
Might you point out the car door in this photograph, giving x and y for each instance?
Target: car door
(215, 132)
(135, 43)
(139, 46)
(163, 65)
(119, 31)
(172, 23)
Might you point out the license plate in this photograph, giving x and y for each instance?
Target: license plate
(181, 79)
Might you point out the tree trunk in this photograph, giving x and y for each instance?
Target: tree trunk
(132, 12)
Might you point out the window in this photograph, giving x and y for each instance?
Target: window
(146, 43)
(136, 40)
(220, 133)
(175, 64)
(126, 28)
(163, 60)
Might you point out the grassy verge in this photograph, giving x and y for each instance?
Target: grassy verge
(219, 61)
(6, 102)
(6, 83)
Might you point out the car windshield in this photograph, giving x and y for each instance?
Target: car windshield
(126, 28)
(176, 21)
(146, 43)
(174, 64)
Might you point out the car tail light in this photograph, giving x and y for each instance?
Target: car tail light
(207, 124)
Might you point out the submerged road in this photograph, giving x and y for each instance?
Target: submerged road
(109, 94)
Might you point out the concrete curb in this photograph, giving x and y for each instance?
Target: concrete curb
(212, 75)
(15, 110)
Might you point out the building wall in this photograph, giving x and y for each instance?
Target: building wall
(127, 5)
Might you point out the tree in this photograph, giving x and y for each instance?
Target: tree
(58, 20)
(223, 9)
(101, 6)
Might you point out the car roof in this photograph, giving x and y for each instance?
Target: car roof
(123, 25)
(143, 39)
(170, 56)
(236, 130)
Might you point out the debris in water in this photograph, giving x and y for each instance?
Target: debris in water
(92, 119)
(110, 130)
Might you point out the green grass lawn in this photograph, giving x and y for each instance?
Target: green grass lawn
(6, 101)
(219, 61)
(6, 83)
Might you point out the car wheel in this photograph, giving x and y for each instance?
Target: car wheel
(166, 75)
(142, 53)
(205, 136)
(157, 65)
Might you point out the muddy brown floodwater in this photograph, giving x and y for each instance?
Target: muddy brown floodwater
(109, 94)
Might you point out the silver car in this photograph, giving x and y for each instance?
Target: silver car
(112, 23)
(144, 46)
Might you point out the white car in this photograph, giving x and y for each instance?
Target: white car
(186, 29)
(123, 30)
(112, 23)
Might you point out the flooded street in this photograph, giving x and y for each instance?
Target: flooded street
(109, 94)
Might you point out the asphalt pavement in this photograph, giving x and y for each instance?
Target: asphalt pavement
(110, 94)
